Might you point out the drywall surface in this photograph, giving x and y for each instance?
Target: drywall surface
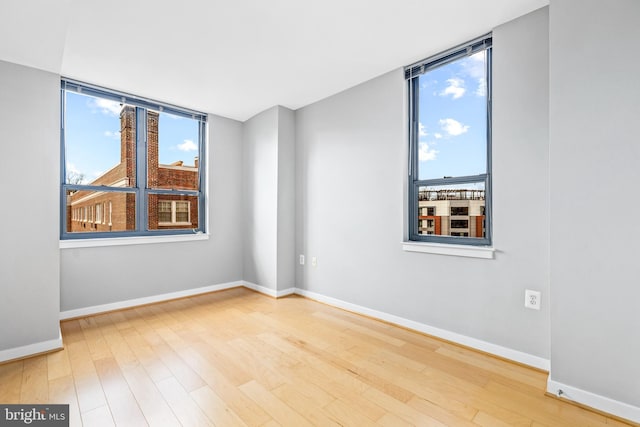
(269, 205)
(594, 108)
(260, 192)
(286, 275)
(103, 275)
(30, 173)
(351, 167)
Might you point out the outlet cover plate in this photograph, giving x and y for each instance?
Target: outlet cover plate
(532, 299)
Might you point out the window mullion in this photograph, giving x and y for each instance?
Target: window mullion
(141, 170)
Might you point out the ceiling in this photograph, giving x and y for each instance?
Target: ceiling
(236, 58)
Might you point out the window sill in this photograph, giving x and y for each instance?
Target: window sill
(126, 241)
(484, 252)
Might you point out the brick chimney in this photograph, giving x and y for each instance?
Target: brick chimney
(128, 142)
(152, 149)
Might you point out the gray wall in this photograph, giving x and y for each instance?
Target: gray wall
(260, 190)
(29, 149)
(351, 160)
(102, 275)
(595, 174)
(269, 206)
(286, 199)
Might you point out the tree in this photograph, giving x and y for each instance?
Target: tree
(75, 178)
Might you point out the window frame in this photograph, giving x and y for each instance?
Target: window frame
(412, 76)
(141, 189)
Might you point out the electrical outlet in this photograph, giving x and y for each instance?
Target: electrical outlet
(314, 261)
(532, 299)
(301, 259)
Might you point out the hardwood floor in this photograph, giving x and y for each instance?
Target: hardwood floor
(238, 358)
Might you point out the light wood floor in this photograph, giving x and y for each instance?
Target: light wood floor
(236, 358)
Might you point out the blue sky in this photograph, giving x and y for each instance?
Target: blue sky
(452, 119)
(92, 136)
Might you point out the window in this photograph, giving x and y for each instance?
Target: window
(459, 210)
(130, 166)
(172, 212)
(450, 145)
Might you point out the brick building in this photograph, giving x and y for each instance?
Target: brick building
(99, 211)
(451, 212)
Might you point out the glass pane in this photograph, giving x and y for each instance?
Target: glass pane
(100, 211)
(452, 119)
(172, 212)
(452, 210)
(172, 151)
(99, 141)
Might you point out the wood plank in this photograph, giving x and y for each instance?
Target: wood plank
(58, 364)
(35, 383)
(11, 382)
(250, 412)
(156, 411)
(215, 408)
(98, 417)
(185, 408)
(122, 403)
(62, 390)
(311, 409)
(278, 410)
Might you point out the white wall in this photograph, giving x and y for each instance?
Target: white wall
(29, 261)
(595, 153)
(351, 160)
(103, 275)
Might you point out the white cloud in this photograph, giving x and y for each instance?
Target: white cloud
(188, 145)
(110, 134)
(482, 87)
(421, 130)
(72, 168)
(455, 88)
(475, 67)
(453, 127)
(110, 108)
(425, 153)
(426, 84)
(437, 135)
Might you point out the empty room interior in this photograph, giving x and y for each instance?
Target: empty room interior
(296, 213)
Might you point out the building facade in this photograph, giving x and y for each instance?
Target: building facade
(449, 212)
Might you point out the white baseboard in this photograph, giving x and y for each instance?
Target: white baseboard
(507, 353)
(268, 291)
(595, 401)
(87, 311)
(31, 349)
